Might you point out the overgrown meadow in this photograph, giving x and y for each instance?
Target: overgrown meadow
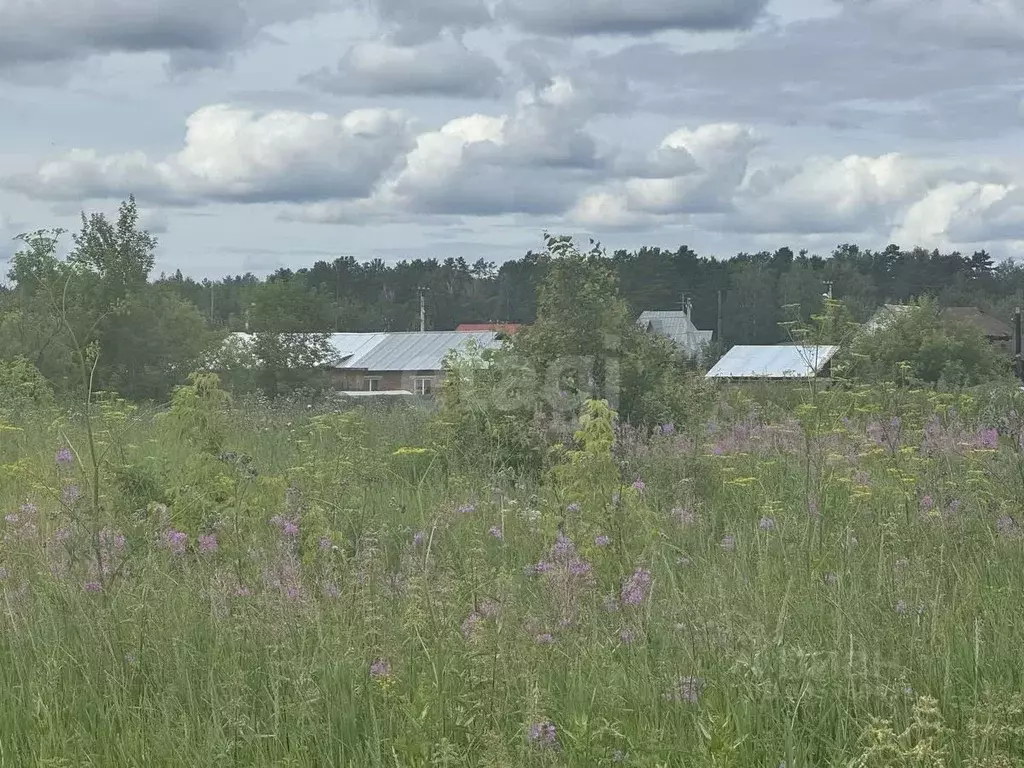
(839, 581)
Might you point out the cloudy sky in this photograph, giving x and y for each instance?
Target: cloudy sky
(263, 133)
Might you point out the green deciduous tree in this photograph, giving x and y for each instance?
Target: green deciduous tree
(920, 345)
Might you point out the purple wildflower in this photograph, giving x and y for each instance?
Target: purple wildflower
(687, 689)
(766, 524)
(93, 586)
(544, 639)
(862, 478)
(927, 503)
(543, 735)
(543, 567)
(324, 543)
(729, 542)
(331, 591)
(380, 669)
(563, 548)
(62, 534)
(954, 506)
(467, 509)
(290, 529)
(830, 579)
(71, 494)
(602, 541)
(64, 457)
(988, 439)
(900, 607)
(639, 485)
(208, 543)
(495, 531)
(573, 508)
(683, 560)
(177, 541)
(111, 540)
(634, 591)
(668, 429)
(419, 538)
(579, 567)
(3, 573)
(627, 636)
(12, 519)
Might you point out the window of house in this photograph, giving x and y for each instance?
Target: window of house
(423, 385)
(373, 383)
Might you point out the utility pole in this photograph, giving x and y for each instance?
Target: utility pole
(423, 310)
(211, 303)
(719, 338)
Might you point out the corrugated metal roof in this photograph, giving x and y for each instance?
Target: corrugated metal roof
(418, 351)
(676, 326)
(772, 362)
(509, 328)
(351, 344)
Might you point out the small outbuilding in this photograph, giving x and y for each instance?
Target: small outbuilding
(777, 361)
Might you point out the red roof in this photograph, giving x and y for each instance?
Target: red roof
(502, 327)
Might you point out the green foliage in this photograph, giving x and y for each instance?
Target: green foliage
(577, 339)
(143, 339)
(488, 408)
(199, 412)
(22, 388)
(920, 346)
(658, 387)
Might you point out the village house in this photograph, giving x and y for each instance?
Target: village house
(678, 327)
(400, 363)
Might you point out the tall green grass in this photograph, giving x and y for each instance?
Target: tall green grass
(869, 612)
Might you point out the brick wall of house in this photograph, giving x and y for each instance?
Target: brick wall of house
(389, 381)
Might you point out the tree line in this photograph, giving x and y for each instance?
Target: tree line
(742, 297)
(101, 314)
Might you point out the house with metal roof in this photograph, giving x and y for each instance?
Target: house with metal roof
(391, 362)
(992, 328)
(677, 326)
(411, 361)
(774, 361)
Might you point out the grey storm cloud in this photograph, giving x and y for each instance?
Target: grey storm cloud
(193, 33)
(418, 20)
(845, 72)
(638, 17)
(444, 67)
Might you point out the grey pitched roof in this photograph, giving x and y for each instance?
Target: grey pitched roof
(784, 361)
(347, 345)
(675, 325)
(990, 326)
(418, 351)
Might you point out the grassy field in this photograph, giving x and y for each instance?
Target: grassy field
(839, 584)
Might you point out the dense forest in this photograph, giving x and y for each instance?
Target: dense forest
(746, 294)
